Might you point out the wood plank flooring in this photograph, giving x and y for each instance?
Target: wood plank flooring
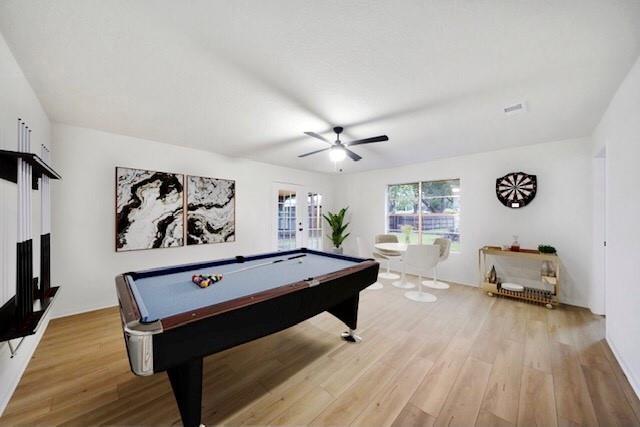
(465, 360)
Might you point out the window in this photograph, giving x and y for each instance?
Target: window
(402, 209)
(424, 211)
(440, 208)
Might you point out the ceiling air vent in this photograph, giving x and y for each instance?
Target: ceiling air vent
(520, 107)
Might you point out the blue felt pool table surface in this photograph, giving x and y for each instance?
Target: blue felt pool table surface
(163, 295)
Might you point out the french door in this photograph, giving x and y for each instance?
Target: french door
(298, 218)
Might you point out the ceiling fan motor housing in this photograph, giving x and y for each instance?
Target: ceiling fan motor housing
(342, 148)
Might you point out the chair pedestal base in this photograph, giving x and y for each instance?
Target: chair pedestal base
(434, 284)
(375, 286)
(388, 276)
(420, 296)
(403, 284)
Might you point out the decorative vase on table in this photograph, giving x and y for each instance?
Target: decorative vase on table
(406, 231)
(492, 277)
(337, 250)
(515, 246)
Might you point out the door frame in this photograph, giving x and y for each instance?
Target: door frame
(302, 193)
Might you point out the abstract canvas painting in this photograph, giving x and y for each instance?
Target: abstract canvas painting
(149, 209)
(211, 205)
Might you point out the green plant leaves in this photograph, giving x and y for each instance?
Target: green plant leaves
(338, 227)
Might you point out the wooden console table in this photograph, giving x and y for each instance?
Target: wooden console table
(540, 296)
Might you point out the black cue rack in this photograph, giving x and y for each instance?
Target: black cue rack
(21, 315)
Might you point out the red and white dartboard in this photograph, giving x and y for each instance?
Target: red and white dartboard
(517, 189)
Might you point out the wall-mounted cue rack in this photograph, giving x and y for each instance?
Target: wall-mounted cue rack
(21, 315)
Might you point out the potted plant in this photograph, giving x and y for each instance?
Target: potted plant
(546, 249)
(338, 228)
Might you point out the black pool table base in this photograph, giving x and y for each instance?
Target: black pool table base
(186, 378)
(186, 382)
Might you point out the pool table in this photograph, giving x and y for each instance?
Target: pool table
(170, 324)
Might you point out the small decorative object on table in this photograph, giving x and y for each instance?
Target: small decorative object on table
(547, 269)
(515, 246)
(338, 228)
(547, 249)
(406, 231)
(493, 276)
(512, 287)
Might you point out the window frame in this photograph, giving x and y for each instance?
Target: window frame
(420, 212)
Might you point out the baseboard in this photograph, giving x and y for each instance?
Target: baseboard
(635, 385)
(57, 315)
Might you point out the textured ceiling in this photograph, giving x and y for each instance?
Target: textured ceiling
(247, 78)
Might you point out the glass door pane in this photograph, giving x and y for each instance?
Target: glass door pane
(287, 206)
(314, 217)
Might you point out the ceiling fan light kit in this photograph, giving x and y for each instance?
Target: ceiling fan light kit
(338, 150)
(337, 154)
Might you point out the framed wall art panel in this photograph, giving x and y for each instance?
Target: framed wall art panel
(211, 205)
(149, 209)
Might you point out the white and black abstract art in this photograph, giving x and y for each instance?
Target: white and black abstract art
(149, 209)
(211, 206)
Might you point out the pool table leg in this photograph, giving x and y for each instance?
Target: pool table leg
(347, 311)
(186, 381)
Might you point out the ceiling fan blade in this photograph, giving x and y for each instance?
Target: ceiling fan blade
(314, 152)
(320, 137)
(351, 154)
(368, 140)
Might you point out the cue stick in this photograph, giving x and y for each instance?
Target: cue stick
(43, 220)
(19, 232)
(28, 187)
(29, 242)
(251, 267)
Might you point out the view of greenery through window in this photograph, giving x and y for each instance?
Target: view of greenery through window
(430, 208)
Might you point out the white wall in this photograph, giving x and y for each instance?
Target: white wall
(84, 261)
(560, 214)
(619, 132)
(16, 100)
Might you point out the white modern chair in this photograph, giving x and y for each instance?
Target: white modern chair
(445, 248)
(365, 252)
(387, 255)
(420, 258)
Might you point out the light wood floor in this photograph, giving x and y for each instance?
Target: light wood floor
(466, 360)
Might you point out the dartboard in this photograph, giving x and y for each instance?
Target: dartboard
(516, 189)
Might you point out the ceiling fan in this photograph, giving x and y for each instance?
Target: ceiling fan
(338, 150)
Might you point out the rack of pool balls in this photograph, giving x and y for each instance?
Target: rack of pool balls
(205, 280)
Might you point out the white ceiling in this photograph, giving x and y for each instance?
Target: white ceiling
(247, 78)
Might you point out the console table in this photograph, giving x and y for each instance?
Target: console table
(539, 296)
